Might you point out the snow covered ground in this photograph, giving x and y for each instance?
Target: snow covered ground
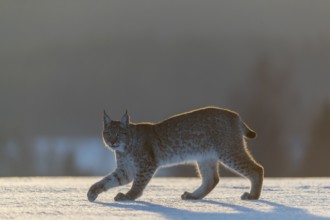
(65, 198)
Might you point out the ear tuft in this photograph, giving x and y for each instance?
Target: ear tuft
(106, 119)
(124, 121)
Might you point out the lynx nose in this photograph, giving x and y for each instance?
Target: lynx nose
(113, 141)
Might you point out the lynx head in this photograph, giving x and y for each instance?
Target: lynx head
(115, 133)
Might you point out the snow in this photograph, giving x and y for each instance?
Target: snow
(65, 198)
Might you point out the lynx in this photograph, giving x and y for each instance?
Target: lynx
(207, 136)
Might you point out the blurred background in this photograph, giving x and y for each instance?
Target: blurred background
(63, 62)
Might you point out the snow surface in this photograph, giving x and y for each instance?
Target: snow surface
(65, 198)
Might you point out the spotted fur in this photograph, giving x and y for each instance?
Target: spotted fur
(206, 136)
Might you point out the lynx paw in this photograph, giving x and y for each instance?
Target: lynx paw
(94, 191)
(188, 196)
(122, 197)
(91, 196)
(248, 196)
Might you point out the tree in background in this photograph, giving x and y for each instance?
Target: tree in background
(316, 162)
(263, 104)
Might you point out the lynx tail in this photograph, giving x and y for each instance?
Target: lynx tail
(248, 132)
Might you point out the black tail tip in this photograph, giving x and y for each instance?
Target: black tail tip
(251, 134)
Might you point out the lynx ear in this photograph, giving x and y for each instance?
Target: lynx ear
(124, 121)
(106, 119)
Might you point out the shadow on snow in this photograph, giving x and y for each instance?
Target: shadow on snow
(278, 211)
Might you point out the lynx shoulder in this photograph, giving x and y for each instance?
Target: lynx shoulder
(206, 136)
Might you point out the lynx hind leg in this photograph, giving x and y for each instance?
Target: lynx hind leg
(243, 163)
(209, 172)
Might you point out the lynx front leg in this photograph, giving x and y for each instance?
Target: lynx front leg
(117, 178)
(142, 178)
